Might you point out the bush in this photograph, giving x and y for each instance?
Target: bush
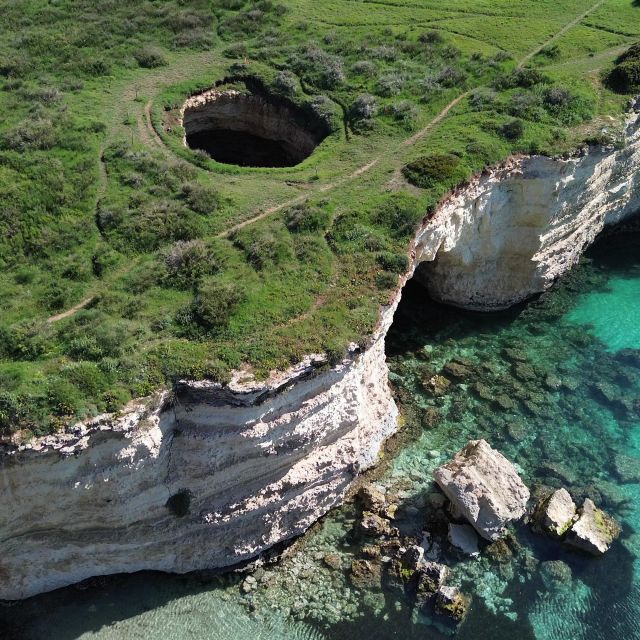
(526, 105)
(400, 214)
(305, 217)
(625, 77)
(395, 262)
(522, 77)
(215, 302)
(390, 84)
(150, 57)
(405, 112)
(55, 297)
(201, 199)
(31, 134)
(430, 171)
(188, 261)
(364, 107)
(264, 246)
(319, 67)
(431, 37)
(451, 77)
(386, 280)
(286, 83)
(364, 68)
(26, 340)
(63, 397)
(512, 130)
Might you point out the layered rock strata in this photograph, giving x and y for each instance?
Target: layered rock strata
(511, 232)
(207, 480)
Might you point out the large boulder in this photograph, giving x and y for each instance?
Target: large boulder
(594, 531)
(484, 487)
(555, 514)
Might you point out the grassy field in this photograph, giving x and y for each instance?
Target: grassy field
(128, 261)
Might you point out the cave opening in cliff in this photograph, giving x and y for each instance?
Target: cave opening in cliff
(251, 128)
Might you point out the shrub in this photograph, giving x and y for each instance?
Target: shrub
(264, 246)
(625, 77)
(85, 376)
(451, 77)
(201, 199)
(431, 170)
(150, 57)
(512, 130)
(55, 297)
(400, 213)
(386, 280)
(431, 37)
(390, 84)
(188, 261)
(364, 68)
(405, 112)
(482, 99)
(286, 83)
(215, 302)
(63, 397)
(305, 217)
(31, 134)
(395, 262)
(521, 77)
(526, 105)
(319, 67)
(364, 107)
(26, 340)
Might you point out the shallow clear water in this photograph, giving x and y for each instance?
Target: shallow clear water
(554, 385)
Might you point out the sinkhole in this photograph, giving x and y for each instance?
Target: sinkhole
(251, 128)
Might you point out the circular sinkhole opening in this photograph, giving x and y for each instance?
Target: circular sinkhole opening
(250, 129)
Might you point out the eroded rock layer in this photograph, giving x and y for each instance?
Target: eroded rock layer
(512, 232)
(206, 481)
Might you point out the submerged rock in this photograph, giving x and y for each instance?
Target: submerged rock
(627, 468)
(554, 515)
(484, 487)
(372, 498)
(365, 574)
(437, 385)
(464, 538)
(555, 574)
(452, 603)
(594, 531)
(374, 525)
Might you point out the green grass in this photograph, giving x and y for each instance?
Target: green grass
(148, 233)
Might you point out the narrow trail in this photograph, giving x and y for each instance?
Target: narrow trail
(560, 33)
(71, 311)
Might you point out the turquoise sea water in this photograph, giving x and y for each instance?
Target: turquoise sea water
(553, 384)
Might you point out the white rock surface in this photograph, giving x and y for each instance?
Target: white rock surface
(261, 463)
(485, 488)
(594, 531)
(464, 538)
(510, 233)
(556, 514)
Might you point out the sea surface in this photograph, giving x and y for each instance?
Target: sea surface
(553, 384)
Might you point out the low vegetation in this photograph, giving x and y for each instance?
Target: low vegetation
(143, 234)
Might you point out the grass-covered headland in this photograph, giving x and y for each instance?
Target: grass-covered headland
(128, 261)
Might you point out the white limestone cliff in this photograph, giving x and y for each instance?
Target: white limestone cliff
(511, 232)
(251, 465)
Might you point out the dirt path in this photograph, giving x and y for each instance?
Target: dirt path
(560, 33)
(70, 312)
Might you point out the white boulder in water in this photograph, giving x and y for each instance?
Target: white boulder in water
(484, 487)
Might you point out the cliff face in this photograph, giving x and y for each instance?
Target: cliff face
(212, 480)
(222, 473)
(512, 232)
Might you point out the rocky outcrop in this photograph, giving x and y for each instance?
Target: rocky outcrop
(594, 531)
(555, 514)
(209, 479)
(511, 232)
(484, 487)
